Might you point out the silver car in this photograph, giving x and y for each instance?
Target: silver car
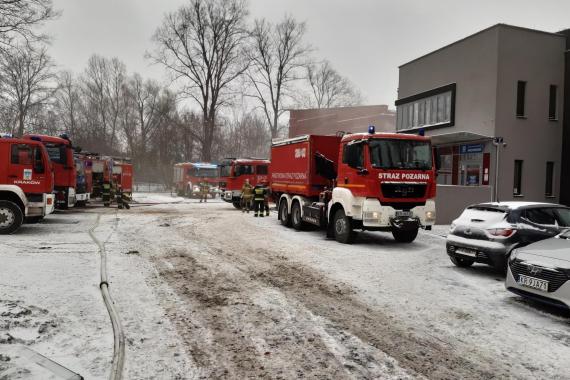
(541, 271)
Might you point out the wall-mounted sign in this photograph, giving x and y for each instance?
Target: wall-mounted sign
(471, 148)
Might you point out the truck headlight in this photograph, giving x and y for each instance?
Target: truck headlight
(430, 216)
(195, 188)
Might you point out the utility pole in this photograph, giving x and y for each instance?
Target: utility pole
(497, 142)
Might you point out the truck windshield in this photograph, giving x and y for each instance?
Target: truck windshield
(203, 172)
(225, 171)
(56, 152)
(400, 154)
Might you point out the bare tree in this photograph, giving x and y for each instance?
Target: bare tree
(329, 88)
(27, 80)
(18, 19)
(67, 102)
(201, 46)
(277, 53)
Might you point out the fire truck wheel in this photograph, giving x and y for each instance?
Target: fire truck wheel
(11, 217)
(284, 214)
(405, 236)
(237, 204)
(296, 219)
(343, 231)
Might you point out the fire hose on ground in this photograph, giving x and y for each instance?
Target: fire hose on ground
(118, 334)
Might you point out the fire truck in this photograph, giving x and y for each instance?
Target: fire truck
(364, 181)
(26, 183)
(234, 172)
(60, 151)
(84, 179)
(123, 175)
(102, 177)
(189, 175)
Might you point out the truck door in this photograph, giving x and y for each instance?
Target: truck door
(27, 168)
(354, 167)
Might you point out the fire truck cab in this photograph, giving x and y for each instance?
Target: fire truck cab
(234, 172)
(26, 183)
(367, 181)
(189, 175)
(60, 151)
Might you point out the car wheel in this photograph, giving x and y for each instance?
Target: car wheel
(461, 262)
(296, 219)
(404, 236)
(284, 214)
(343, 231)
(11, 217)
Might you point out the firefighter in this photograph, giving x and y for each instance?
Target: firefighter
(247, 195)
(106, 194)
(122, 199)
(204, 191)
(266, 200)
(259, 195)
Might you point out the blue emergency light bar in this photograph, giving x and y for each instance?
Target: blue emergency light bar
(371, 129)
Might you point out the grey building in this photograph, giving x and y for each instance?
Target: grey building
(504, 83)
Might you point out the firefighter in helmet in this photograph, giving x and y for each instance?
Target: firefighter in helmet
(122, 198)
(259, 195)
(204, 191)
(247, 196)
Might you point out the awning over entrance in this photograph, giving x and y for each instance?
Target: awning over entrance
(458, 137)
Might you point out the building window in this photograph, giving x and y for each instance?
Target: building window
(517, 186)
(548, 191)
(552, 102)
(434, 107)
(521, 89)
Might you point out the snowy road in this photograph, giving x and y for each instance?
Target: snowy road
(205, 291)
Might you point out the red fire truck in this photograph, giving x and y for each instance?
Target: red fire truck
(123, 175)
(373, 181)
(84, 179)
(189, 175)
(234, 172)
(60, 152)
(26, 183)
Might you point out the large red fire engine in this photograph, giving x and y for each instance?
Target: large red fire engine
(123, 175)
(374, 181)
(60, 152)
(189, 175)
(234, 172)
(26, 183)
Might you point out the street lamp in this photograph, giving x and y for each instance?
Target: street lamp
(497, 142)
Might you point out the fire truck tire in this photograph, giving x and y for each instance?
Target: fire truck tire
(284, 214)
(296, 219)
(343, 231)
(237, 204)
(11, 217)
(405, 236)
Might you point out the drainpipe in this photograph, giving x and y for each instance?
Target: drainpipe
(497, 142)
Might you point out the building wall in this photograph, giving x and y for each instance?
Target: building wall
(538, 59)
(471, 64)
(329, 121)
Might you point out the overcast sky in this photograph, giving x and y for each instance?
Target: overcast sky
(366, 40)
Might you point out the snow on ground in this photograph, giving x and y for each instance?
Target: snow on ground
(206, 291)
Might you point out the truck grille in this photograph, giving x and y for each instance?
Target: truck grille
(555, 279)
(403, 190)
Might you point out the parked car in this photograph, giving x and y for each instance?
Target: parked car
(488, 232)
(541, 271)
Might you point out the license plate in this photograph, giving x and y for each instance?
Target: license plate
(534, 283)
(404, 214)
(466, 252)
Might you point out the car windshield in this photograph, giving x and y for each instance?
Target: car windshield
(400, 154)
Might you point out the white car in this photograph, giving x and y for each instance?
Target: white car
(541, 271)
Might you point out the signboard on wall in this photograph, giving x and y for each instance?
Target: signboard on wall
(471, 148)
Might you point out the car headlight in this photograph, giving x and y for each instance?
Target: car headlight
(196, 188)
(513, 255)
(430, 216)
(452, 228)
